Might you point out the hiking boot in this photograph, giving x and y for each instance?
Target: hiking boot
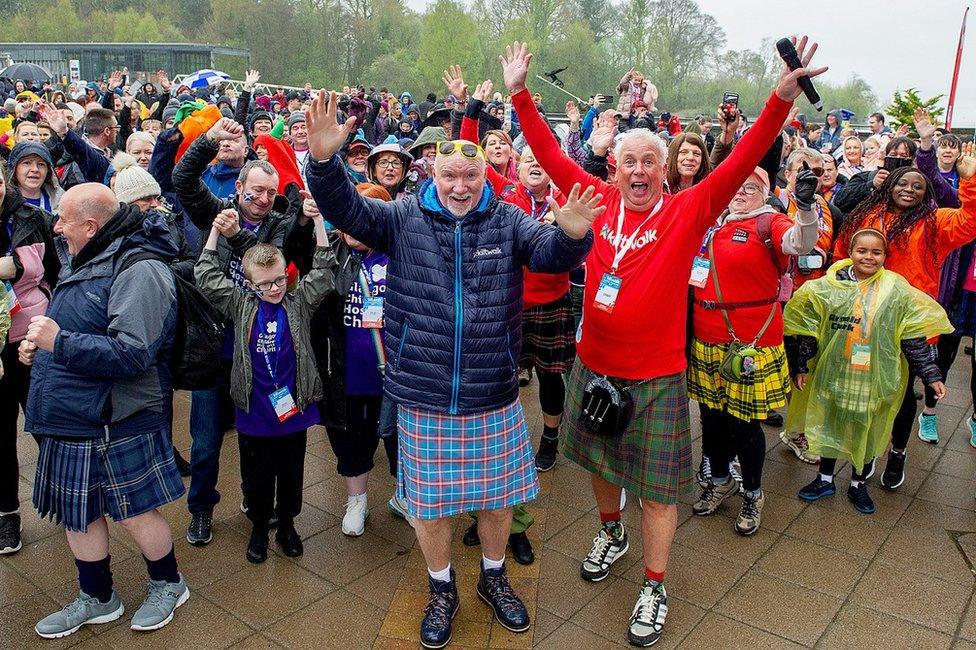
(928, 428)
(817, 489)
(521, 548)
(435, 628)
(894, 474)
(797, 441)
(354, 522)
(735, 471)
(750, 515)
(713, 495)
(606, 550)
(495, 589)
(257, 546)
(545, 458)
(83, 610)
(647, 619)
(10, 529)
(160, 604)
(200, 532)
(289, 540)
(773, 419)
(861, 499)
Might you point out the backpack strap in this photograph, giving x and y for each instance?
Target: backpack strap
(764, 228)
(136, 256)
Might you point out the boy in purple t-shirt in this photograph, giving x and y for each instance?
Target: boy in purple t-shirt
(274, 380)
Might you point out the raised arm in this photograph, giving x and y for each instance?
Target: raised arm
(957, 226)
(196, 198)
(925, 160)
(92, 162)
(469, 130)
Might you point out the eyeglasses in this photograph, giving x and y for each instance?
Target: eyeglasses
(467, 149)
(749, 189)
(267, 286)
(387, 163)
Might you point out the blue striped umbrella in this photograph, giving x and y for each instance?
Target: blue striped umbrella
(204, 78)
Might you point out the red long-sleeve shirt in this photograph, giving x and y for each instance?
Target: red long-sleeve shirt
(644, 336)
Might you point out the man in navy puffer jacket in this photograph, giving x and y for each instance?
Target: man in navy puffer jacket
(452, 335)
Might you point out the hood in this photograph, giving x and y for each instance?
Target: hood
(282, 158)
(132, 230)
(430, 135)
(51, 184)
(224, 172)
(836, 113)
(430, 203)
(407, 96)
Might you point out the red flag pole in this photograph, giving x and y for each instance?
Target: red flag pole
(955, 74)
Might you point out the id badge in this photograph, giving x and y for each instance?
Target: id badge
(606, 295)
(699, 272)
(373, 312)
(861, 356)
(283, 403)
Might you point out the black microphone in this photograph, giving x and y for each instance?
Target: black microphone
(788, 53)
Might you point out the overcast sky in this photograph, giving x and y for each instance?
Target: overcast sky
(891, 44)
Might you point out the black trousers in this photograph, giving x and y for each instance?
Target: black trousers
(265, 461)
(13, 398)
(828, 465)
(725, 436)
(356, 445)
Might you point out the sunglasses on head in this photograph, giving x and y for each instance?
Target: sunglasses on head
(467, 149)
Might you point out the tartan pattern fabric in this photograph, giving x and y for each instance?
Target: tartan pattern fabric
(549, 336)
(751, 400)
(451, 464)
(79, 480)
(652, 457)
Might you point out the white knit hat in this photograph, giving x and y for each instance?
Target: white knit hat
(132, 182)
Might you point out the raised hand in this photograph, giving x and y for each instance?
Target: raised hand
(325, 135)
(903, 131)
(515, 65)
(482, 91)
(788, 89)
(309, 208)
(805, 187)
(53, 116)
(602, 136)
(115, 79)
(966, 165)
(163, 80)
(251, 78)
(225, 129)
(453, 78)
(577, 216)
(924, 126)
(790, 117)
(573, 113)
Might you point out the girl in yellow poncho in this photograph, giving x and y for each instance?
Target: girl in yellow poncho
(850, 338)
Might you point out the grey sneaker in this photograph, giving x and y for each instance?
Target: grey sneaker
(713, 495)
(647, 619)
(750, 515)
(160, 604)
(83, 610)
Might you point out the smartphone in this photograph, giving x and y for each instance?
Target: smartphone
(891, 163)
(731, 98)
(809, 262)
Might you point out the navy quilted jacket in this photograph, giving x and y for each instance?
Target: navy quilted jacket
(453, 313)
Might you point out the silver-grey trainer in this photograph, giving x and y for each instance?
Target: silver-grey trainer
(160, 604)
(83, 610)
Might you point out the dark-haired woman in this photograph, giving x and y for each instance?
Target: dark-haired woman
(688, 161)
(920, 237)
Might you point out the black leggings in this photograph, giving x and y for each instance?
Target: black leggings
(946, 349)
(828, 465)
(552, 392)
(725, 436)
(13, 398)
(355, 445)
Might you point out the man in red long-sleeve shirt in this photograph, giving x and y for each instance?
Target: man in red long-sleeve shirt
(633, 328)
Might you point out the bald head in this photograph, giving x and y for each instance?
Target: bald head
(84, 209)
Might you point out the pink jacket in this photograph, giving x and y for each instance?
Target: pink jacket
(31, 290)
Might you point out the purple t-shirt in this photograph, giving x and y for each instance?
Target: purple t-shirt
(273, 367)
(362, 360)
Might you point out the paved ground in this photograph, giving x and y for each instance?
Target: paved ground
(815, 575)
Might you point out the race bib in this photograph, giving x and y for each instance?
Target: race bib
(861, 357)
(283, 403)
(699, 272)
(373, 312)
(606, 294)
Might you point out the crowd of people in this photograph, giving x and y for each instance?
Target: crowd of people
(395, 271)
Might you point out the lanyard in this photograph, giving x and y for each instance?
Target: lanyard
(262, 330)
(626, 244)
(367, 287)
(366, 290)
(544, 207)
(707, 239)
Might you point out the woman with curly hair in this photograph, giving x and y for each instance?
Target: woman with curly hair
(920, 237)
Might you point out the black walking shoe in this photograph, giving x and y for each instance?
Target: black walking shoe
(521, 548)
(817, 489)
(471, 535)
(545, 458)
(435, 629)
(773, 419)
(894, 474)
(257, 547)
(10, 528)
(494, 589)
(861, 499)
(289, 540)
(200, 531)
(525, 377)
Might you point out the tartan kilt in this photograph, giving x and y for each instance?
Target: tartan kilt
(549, 336)
(652, 457)
(748, 400)
(80, 480)
(451, 464)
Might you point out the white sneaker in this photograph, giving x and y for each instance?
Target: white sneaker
(398, 507)
(623, 499)
(354, 522)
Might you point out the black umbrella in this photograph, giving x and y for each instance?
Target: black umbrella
(25, 71)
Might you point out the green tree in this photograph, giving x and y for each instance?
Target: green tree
(903, 106)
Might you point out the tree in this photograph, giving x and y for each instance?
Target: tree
(902, 107)
(599, 15)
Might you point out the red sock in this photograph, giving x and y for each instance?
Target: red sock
(610, 516)
(653, 576)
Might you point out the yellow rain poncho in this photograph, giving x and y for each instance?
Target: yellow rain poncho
(858, 378)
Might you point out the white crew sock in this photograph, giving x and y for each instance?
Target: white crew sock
(492, 564)
(827, 478)
(444, 575)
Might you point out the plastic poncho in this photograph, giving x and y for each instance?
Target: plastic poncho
(857, 380)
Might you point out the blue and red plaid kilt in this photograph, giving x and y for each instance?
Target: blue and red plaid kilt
(652, 457)
(451, 464)
(549, 336)
(80, 480)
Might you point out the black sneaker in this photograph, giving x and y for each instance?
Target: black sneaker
(773, 419)
(10, 528)
(869, 469)
(521, 548)
(861, 499)
(257, 546)
(494, 589)
(182, 465)
(289, 540)
(545, 458)
(471, 535)
(894, 474)
(200, 532)
(817, 489)
(435, 628)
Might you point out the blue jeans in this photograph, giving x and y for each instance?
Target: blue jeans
(208, 410)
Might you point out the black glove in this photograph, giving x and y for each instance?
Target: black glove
(806, 187)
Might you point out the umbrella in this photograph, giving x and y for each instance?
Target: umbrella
(25, 71)
(204, 78)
